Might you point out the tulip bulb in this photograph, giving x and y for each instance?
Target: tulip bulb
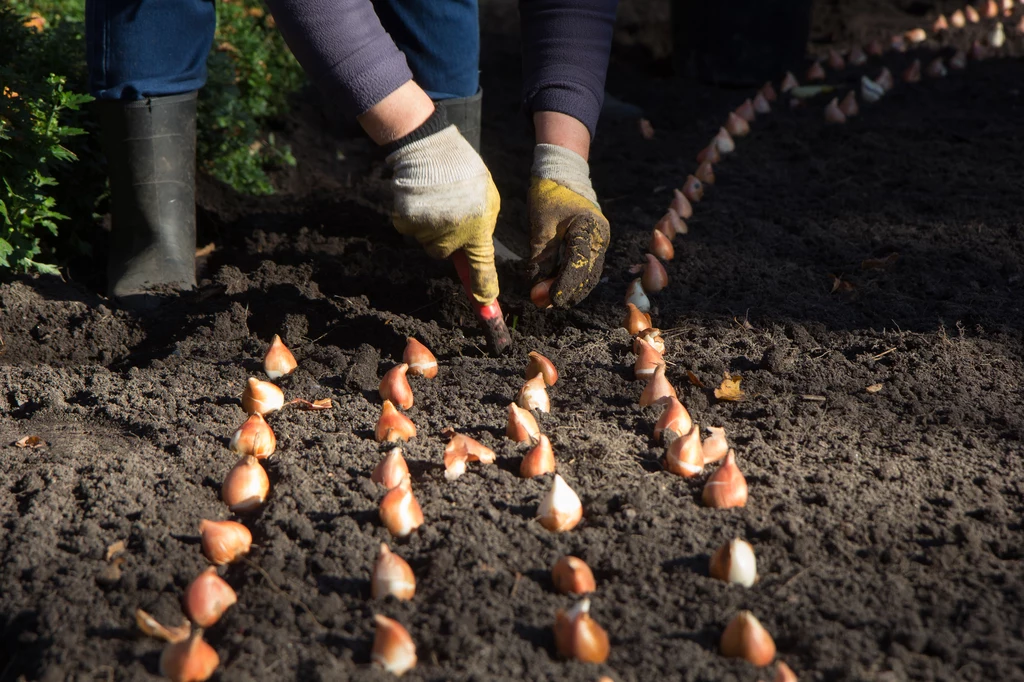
(744, 637)
(913, 72)
(898, 44)
(578, 636)
(726, 145)
(997, 37)
(936, 69)
(254, 437)
(392, 575)
(190, 660)
(885, 79)
(224, 542)
(534, 396)
(539, 460)
(455, 462)
(726, 487)
(916, 35)
(538, 364)
(279, 360)
(661, 246)
(561, 509)
(392, 425)
(522, 426)
(572, 576)
(636, 296)
(957, 19)
(849, 105)
(789, 82)
(392, 470)
(972, 15)
(540, 294)
(395, 386)
(652, 337)
(783, 673)
(978, 51)
(654, 277)
(475, 450)
(207, 598)
(734, 562)
(875, 48)
(261, 397)
(991, 9)
(681, 205)
(705, 173)
(684, 456)
(671, 224)
(870, 91)
(835, 60)
(674, 419)
(715, 446)
(658, 389)
(246, 486)
(400, 512)
(393, 648)
(768, 92)
(940, 24)
(746, 111)
(832, 112)
(693, 189)
(761, 106)
(647, 361)
(710, 153)
(857, 56)
(636, 321)
(736, 126)
(816, 72)
(419, 358)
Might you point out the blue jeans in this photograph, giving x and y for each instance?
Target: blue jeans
(149, 48)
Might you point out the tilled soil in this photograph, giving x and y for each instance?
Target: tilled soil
(887, 524)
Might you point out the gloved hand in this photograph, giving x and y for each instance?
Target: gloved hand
(568, 233)
(445, 198)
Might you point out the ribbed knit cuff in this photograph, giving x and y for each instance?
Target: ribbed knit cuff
(565, 167)
(437, 122)
(440, 159)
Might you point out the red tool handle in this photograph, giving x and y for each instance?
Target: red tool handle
(490, 316)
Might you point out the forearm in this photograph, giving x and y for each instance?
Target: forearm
(566, 45)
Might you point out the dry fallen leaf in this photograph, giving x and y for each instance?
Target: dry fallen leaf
(730, 388)
(840, 284)
(115, 549)
(322, 404)
(151, 627)
(879, 263)
(694, 379)
(30, 442)
(874, 388)
(206, 250)
(646, 129)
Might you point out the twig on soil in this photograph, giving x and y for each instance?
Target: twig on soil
(884, 353)
(793, 579)
(277, 588)
(515, 585)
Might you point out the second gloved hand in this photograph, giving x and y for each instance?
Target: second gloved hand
(445, 198)
(569, 234)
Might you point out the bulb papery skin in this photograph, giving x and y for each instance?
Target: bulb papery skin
(246, 486)
(832, 112)
(849, 105)
(455, 464)
(693, 188)
(705, 173)
(474, 449)
(726, 488)
(684, 457)
(957, 19)
(561, 509)
(651, 337)
(661, 246)
(835, 60)
(675, 419)
(392, 470)
(207, 598)
(682, 206)
(816, 72)
(783, 673)
(647, 360)
(746, 111)
(734, 562)
(744, 637)
(534, 395)
(539, 460)
(761, 105)
(671, 224)
(254, 437)
(789, 82)
(540, 294)
(768, 91)
(885, 79)
(710, 153)
(419, 358)
(190, 660)
(736, 126)
(658, 389)
(278, 361)
(522, 426)
(393, 648)
(654, 277)
(392, 575)
(395, 386)
(571, 575)
(578, 636)
(724, 142)
(635, 321)
(538, 364)
(262, 397)
(224, 542)
(636, 295)
(400, 512)
(715, 446)
(393, 426)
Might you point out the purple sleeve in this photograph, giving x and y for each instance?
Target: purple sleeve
(566, 44)
(343, 48)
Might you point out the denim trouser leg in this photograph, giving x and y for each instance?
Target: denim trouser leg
(147, 48)
(441, 42)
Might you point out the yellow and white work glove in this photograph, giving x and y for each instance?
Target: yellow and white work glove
(569, 234)
(445, 198)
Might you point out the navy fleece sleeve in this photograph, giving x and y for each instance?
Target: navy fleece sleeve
(343, 48)
(566, 44)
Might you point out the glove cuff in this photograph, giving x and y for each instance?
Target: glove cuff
(565, 167)
(443, 158)
(437, 122)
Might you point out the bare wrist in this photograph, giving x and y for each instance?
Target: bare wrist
(398, 114)
(560, 129)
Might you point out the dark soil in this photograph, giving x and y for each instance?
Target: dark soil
(887, 525)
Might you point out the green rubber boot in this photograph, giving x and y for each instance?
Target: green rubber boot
(464, 112)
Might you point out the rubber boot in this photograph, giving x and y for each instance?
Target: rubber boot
(150, 146)
(464, 112)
